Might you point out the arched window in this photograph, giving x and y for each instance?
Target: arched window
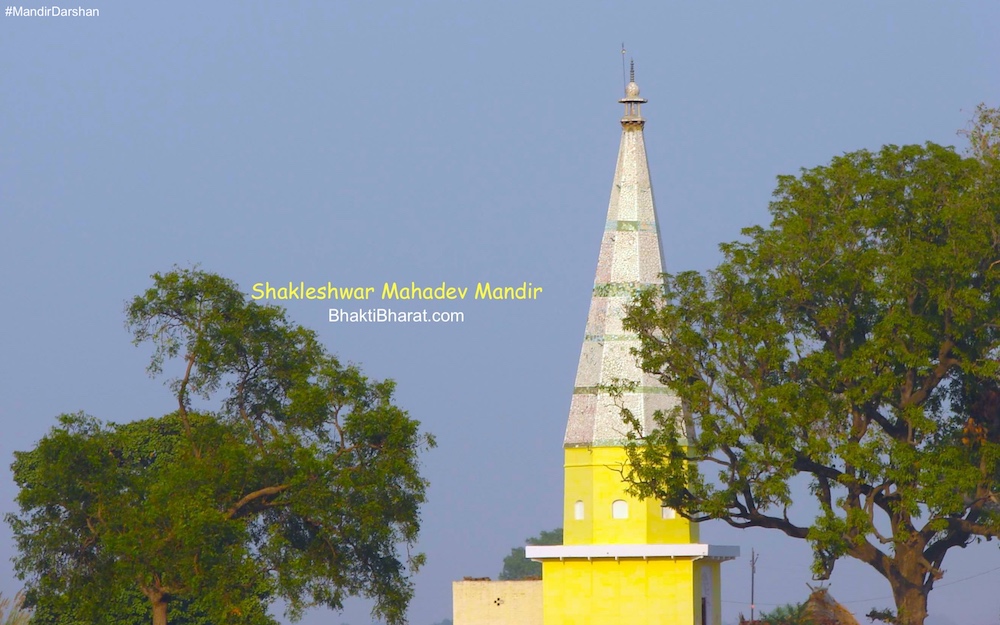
(578, 511)
(619, 509)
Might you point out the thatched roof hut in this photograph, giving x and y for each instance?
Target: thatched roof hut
(819, 609)
(822, 609)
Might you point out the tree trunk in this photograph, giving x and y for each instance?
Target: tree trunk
(911, 603)
(159, 612)
(158, 600)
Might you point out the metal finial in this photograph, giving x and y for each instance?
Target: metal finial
(633, 116)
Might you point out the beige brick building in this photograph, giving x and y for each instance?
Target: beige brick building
(482, 602)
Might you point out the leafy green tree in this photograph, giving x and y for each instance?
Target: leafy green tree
(131, 607)
(787, 614)
(854, 342)
(983, 134)
(301, 484)
(516, 566)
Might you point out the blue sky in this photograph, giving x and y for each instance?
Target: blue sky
(435, 142)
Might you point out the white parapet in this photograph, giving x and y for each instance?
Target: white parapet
(694, 551)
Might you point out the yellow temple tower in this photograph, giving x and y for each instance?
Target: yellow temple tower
(624, 560)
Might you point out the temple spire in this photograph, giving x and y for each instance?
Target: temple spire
(630, 259)
(632, 102)
(624, 559)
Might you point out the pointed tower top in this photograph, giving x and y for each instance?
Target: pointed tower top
(630, 259)
(632, 101)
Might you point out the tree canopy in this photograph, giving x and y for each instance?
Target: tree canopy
(302, 483)
(787, 614)
(854, 342)
(517, 566)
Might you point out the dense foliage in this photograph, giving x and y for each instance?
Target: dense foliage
(787, 614)
(517, 566)
(302, 483)
(854, 342)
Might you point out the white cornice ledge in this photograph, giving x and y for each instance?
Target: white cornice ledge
(592, 552)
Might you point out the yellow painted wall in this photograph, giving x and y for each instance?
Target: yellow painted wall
(634, 591)
(497, 603)
(715, 595)
(594, 476)
(613, 592)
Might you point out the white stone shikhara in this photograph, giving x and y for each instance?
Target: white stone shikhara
(623, 559)
(630, 259)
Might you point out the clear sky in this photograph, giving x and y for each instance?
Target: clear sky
(457, 142)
